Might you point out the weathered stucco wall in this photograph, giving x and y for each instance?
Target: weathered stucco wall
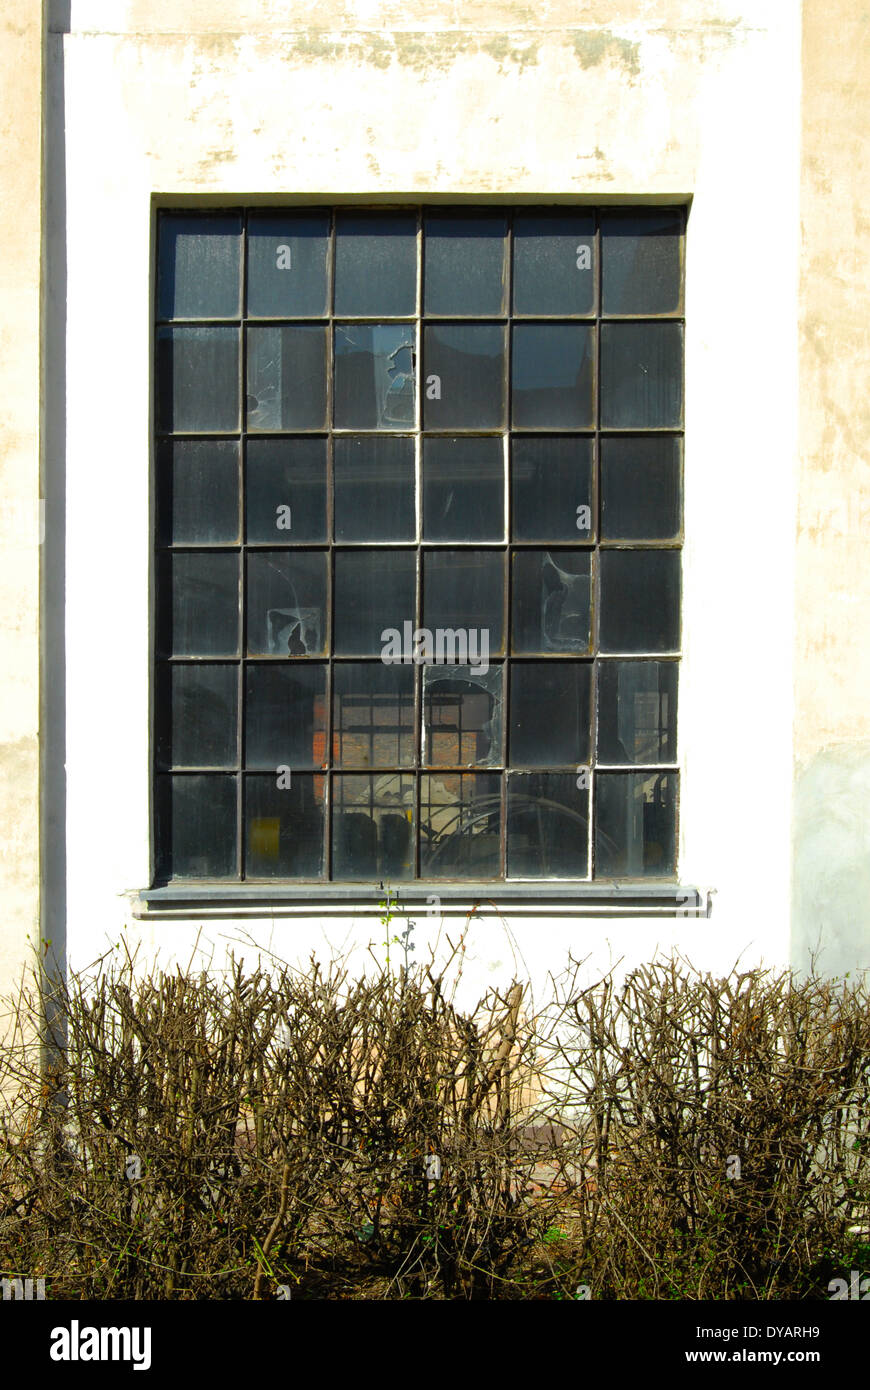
(832, 601)
(20, 237)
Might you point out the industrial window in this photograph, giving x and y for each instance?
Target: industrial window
(419, 517)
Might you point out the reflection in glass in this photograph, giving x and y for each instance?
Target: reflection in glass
(464, 590)
(196, 826)
(375, 264)
(551, 376)
(640, 487)
(641, 375)
(551, 480)
(374, 590)
(460, 825)
(551, 601)
(285, 716)
(550, 711)
(640, 266)
(464, 376)
(464, 263)
(463, 716)
(374, 488)
(463, 489)
(635, 824)
(287, 378)
(554, 263)
(374, 376)
(287, 265)
(198, 380)
(199, 604)
(285, 495)
(198, 267)
(640, 600)
(198, 491)
(287, 602)
(637, 711)
(547, 826)
(373, 826)
(284, 827)
(196, 715)
(373, 715)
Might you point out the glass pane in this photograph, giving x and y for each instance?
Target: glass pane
(373, 826)
(550, 711)
(554, 263)
(463, 489)
(552, 601)
(374, 488)
(551, 480)
(287, 603)
(640, 488)
(285, 716)
(640, 600)
(551, 376)
(635, 824)
(287, 265)
(286, 378)
(375, 264)
(463, 594)
(637, 712)
(198, 491)
(373, 715)
(198, 380)
(641, 375)
(640, 262)
(199, 267)
(374, 376)
(463, 716)
(196, 826)
(199, 604)
(375, 592)
(548, 826)
(196, 716)
(464, 263)
(464, 371)
(460, 825)
(285, 491)
(284, 827)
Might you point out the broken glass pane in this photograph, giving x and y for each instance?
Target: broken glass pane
(287, 378)
(463, 489)
(284, 827)
(375, 264)
(640, 600)
(199, 604)
(635, 824)
(640, 261)
(286, 490)
(375, 590)
(196, 715)
(641, 375)
(373, 826)
(550, 710)
(547, 826)
(196, 826)
(551, 480)
(640, 488)
(464, 376)
(287, 265)
(464, 266)
(551, 376)
(287, 602)
(552, 601)
(463, 594)
(460, 825)
(463, 716)
(373, 715)
(554, 263)
(374, 376)
(374, 488)
(285, 715)
(199, 267)
(637, 711)
(198, 380)
(198, 491)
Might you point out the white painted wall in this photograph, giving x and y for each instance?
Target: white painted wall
(677, 105)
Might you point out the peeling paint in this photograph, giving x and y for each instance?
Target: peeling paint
(594, 46)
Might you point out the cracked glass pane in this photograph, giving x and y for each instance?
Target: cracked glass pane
(199, 604)
(374, 376)
(640, 600)
(198, 380)
(373, 715)
(373, 826)
(287, 265)
(463, 489)
(287, 603)
(285, 490)
(285, 715)
(463, 716)
(198, 491)
(374, 590)
(284, 827)
(635, 824)
(199, 267)
(196, 826)
(554, 263)
(641, 488)
(464, 266)
(637, 711)
(547, 826)
(286, 378)
(552, 601)
(550, 713)
(460, 825)
(551, 481)
(375, 264)
(374, 488)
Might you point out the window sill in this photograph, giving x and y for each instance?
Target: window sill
(538, 898)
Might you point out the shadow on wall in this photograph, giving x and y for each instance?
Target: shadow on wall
(831, 862)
